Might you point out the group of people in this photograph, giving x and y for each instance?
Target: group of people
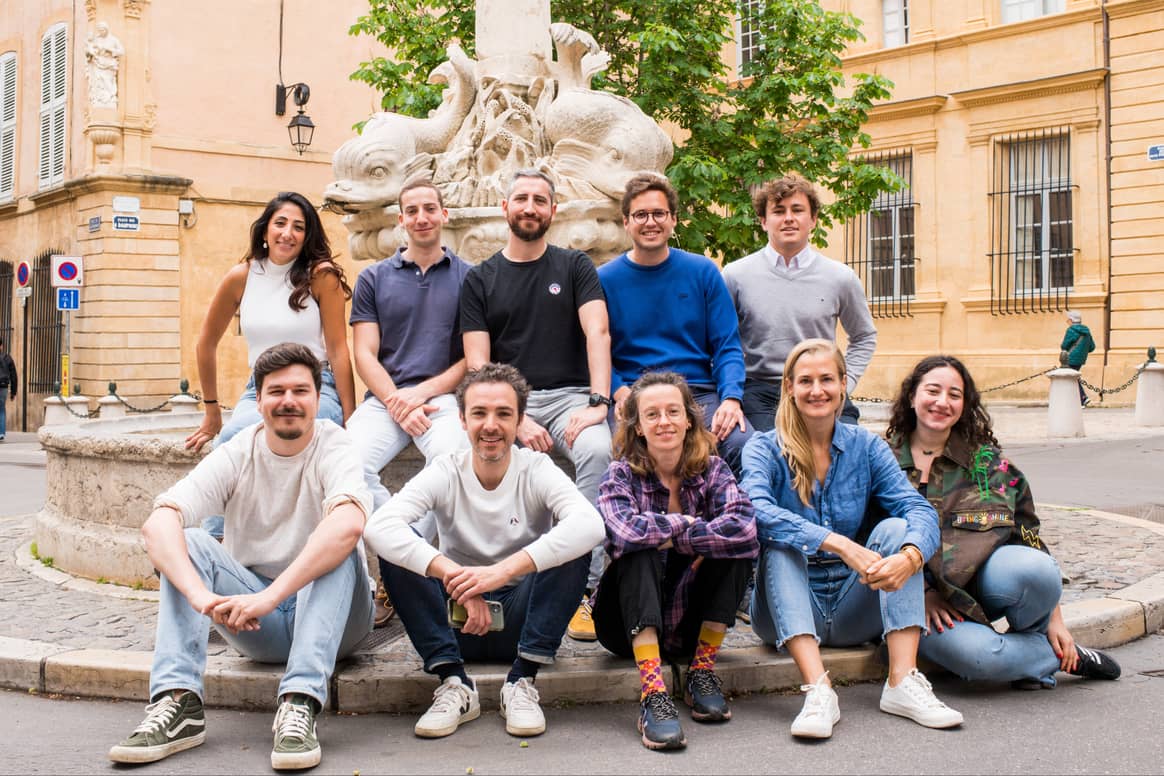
(707, 420)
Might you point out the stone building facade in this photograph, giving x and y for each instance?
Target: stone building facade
(1023, 128)
(116, 108)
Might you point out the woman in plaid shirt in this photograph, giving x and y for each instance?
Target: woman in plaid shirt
(681, 536)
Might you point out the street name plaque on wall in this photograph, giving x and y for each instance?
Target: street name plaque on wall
(1156, 153)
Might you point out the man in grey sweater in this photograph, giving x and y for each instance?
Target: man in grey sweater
(288, 584)
(515, 536)
(787, 292)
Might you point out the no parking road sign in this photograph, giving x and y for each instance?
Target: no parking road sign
(68, 271)
(23, 274)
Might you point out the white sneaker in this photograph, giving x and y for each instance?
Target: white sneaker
(519, 706)
(914, 698)
(452, 703)
(821, 710)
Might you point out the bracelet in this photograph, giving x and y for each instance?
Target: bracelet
(210, 401)
(913, 552)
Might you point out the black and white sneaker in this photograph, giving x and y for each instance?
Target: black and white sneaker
(1094, 664)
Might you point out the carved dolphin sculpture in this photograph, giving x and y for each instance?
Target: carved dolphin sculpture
(600, 140)
(371, 169)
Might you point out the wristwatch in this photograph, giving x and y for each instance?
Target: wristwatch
(597, 398)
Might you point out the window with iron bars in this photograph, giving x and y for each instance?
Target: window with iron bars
(880, 244)
(749, 38)
(1032, 256)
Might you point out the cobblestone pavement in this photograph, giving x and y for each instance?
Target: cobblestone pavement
(1098, 555)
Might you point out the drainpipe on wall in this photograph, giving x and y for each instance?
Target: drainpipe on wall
(1107, 159)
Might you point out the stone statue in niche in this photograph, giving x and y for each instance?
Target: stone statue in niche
(513, 110)
(103, 53)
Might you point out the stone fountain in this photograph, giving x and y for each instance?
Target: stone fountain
(516, 107)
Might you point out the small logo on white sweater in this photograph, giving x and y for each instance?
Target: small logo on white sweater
(513, 520)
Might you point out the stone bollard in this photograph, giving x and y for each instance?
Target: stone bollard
(111, 407)
(56, 410)
(183, 404)
(1150, 396)
(1064, 414)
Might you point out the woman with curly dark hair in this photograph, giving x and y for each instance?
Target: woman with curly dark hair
(681, 536)
(993, 563)
(285, 289)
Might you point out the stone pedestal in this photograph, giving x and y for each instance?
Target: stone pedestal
(183, 404)
(1064, 413)
(57, 410)
(1150, 396)
(111, 407)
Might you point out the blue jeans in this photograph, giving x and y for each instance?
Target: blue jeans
(537, 610)
(1023, 585)
(3, 412)
(324, 620)
(732, 448)
(246, 413)
(794, 597)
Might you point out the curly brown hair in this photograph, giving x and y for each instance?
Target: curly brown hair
(974, 426)
(629, 444)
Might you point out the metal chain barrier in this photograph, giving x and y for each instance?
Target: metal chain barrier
(1122, 387)
(878, 400)
(88, 415)
(226, 408)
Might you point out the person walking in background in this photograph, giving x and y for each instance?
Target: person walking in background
(1077, 343)
(7, 386)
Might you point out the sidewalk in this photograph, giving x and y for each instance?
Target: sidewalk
(60, 634)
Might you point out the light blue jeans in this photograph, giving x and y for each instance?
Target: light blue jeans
(552, 408)
(379, 439)
(246, 413)
(1023, 585)
(793, 597)
(326, 619)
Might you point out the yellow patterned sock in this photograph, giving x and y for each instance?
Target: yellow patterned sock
(707, 649)
(650, 669)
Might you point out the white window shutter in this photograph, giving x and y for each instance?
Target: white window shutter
(7, 125)
(53, 101)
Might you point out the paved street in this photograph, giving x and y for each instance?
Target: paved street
(1080, 727)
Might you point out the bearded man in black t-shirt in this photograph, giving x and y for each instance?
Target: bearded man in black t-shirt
(540, 307)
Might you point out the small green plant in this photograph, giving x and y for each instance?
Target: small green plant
(102, 581)
(46, 561)
(138, 585)
(32, 549)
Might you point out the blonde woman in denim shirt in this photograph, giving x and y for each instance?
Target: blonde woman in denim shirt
(826, 576)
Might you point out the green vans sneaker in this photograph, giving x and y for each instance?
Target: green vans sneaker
(296, 746)
(172, 724)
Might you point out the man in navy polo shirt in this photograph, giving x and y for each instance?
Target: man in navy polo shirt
(407, 343)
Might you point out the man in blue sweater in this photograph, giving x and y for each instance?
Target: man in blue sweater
(670, 310)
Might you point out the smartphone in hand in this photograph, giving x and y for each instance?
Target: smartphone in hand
(458, 615)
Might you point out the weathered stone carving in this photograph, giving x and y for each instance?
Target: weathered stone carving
(514, 109)
(103, 53)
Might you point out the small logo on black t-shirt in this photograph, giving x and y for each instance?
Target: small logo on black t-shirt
(555, 289)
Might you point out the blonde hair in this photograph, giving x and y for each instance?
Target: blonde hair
(790, 428)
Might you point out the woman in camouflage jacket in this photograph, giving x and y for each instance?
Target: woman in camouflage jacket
(992, 563)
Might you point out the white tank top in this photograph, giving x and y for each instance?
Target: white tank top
(266, 317)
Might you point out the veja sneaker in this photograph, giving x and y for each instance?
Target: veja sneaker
(172, 724)
(914, 698)
(704, 694)
(296, 746)
(1094, 664)
(659, 722)
(581, 627)
(453, 702)
(821, 710)
(519, 706)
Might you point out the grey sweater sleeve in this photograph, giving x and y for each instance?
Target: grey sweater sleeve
(857, 322)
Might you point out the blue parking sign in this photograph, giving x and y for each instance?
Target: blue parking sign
(68, 299)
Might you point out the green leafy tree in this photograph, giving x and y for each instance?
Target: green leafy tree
(791, 111)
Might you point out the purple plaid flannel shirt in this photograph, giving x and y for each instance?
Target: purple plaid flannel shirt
(634, 509)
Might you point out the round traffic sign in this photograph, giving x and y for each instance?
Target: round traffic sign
(23, 274)
(67, 270)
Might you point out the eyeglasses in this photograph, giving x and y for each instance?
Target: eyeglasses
(658, 216)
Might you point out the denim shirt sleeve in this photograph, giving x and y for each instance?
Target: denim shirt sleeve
(768, 483)
(898, 498)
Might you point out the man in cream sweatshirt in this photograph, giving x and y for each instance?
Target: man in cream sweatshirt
(514, 533)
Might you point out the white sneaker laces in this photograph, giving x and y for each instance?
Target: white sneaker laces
(449, 697)
(292, 721)
(815, 700)
(920, 689)
(159, 715)
(524, 698)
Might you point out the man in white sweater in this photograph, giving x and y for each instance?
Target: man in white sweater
(515, 536)
(786, 292)
(292, 491)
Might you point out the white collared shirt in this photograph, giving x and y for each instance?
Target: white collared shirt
(791, 263)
